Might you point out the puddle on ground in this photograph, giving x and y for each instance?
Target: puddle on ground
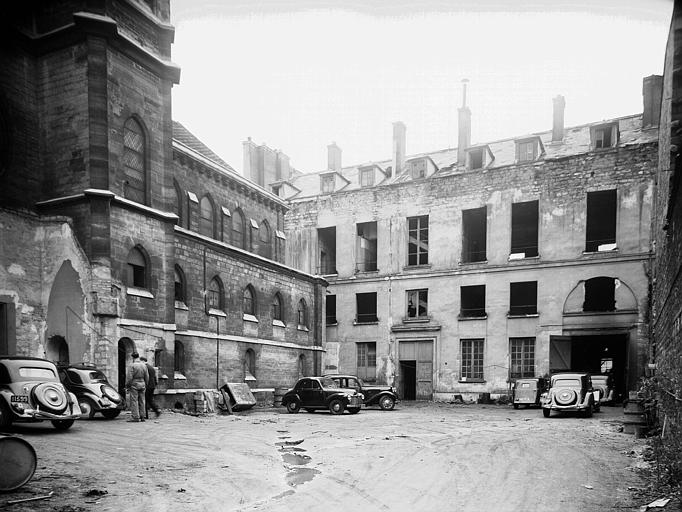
(296, 459)
(293, 458)
(297, 476)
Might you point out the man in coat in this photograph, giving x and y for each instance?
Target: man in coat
(136, 384)
(149, 393)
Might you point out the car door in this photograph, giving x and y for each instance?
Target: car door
(316, 394)
(305, 392)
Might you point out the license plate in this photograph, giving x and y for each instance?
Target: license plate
(19, 398)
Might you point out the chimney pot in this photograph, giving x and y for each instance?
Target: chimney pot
(463, 127)
(333, 157)
(399, 142)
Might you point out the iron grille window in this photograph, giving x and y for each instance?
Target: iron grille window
(367, 361)
(417, 303)
(366, 307)
(418, 240)
(134, 161)
(522, 352)
(472, 359)
(523, 298)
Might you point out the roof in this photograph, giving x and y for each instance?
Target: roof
(187, 138)
(576, 141)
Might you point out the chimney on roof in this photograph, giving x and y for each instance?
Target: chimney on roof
(250, 161)
(283, 171)
(333, 157)
(463, 126)
(398, 155)
(652, 92)
(558, 119)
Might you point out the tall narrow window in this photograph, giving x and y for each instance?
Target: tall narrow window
(265, 245)
(249, 304)
(238, 229)
(472, 301)
(524, 236)
(330, 310)
(417, 304)
(472, 359)
(366, 307)
(277, 308)
(249, 365)
(601, 221)
(366, 247)
(523, 298)
(136, 269)
(206, 224)
(179, 359)
(522, 353)
(367, 361)
(134, 161)
(326, 244)
(418, 240)
(214, 294)
(179, 295)
(178, 206)
(474, 235)
(302, 313)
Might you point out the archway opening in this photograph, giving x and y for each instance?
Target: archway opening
(57, 350)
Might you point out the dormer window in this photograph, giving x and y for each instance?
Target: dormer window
(276, 189)
(327, 184)
(367, 177)
(418, 168)
(604, 136)
(479, 157)
(528, 150)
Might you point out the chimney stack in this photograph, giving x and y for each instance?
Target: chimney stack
(463, 126)
(558, 119)
(333, 157)
(398, 155)
(652, 91)
(250, 161)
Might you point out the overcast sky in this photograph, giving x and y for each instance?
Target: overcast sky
(299, 74)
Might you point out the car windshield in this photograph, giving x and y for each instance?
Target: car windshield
(329, 383)
(37, 373)
(567, 382)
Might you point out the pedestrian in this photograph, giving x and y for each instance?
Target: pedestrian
(136, 384)
(149, 393)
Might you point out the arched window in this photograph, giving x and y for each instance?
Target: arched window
(301, 366)
(250, 365)
(178, 206)
(136, 269)
(207, 214)
(302, 313)
(277, 308)
(180, 292)
(249, 301)
(265, 242)
(238, 229)
(214, 295)
(134, 161)
(179, 360)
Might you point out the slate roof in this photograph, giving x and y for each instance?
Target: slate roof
(187, 138)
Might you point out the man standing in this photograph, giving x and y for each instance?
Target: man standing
(136, 383)
(149, 393)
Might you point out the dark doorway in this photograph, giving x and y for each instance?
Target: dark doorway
(408, 378)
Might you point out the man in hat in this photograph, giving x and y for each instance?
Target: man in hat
(137, 378)
(149, 393)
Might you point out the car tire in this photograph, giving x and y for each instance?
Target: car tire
(546, 413)
(110, 414)
(88, 408)
(516, 406)
(308, 409)
(62, 424)
(293, 406)
(5, 414)
(51, 397)
(387, 403)
(336, 406)
(588, 412)
(354, 410)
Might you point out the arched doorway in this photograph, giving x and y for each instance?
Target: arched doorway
(57, 350)
(126, 347)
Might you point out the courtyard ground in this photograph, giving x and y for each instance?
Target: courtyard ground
(419, 457)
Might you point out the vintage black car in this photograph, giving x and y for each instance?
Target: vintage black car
(569, 392)
(92, 389)
(30, 391)
(313, 393)
(383, 396)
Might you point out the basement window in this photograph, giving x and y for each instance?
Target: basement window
(417, 304)
(366, 247)
(524, 224)
(418, 240)
(604, 135)
(472, 301)
(366, 308)
(474, 235)
(523, 298)
(326, 243)
(600, 294)
(330, 310)
(601, 221)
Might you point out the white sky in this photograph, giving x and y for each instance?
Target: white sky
(299, 74)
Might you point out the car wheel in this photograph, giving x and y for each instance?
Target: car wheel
(588, 412)
(546, 413)
(88, 408)
(336, 406)
(308, 409)
(5, 415)
(387, 403)
(51, 397)
(62, 424)
(294, 406)
(516, 406)
(110, 414)
(354, 410)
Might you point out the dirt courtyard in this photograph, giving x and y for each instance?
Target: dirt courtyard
(419, 457)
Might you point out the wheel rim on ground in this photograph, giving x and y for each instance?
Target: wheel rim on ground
(386, 403)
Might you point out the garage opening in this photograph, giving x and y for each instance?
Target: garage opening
(416, 370)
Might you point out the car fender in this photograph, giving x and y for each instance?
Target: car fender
(377, 397)
(343, 396)
(290, 397)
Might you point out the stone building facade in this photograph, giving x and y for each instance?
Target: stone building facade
(122, 232)
(457, 271)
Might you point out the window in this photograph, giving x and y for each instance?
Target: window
(330, 310)
(367, 177)
(523, 298)
(417, 301)
(367, 361)
(601, 221)
(600, 294)
(178, 206)
(604, 136)
(134, 164)
(302, 313)
(265, 240)
(522, 352)
(276, 189)
(366, 308)
(474, 235)
(524, 225)
(472, 301)
(179, 357)
(249, 365)
(249, 301)
(472, 360)
(206, 218)
(417, 168)
(526, 151)
(214, 295)
(327, 184)
(418, 240)
(179, 285)
(136, 269)
(238, 229)
(277, 308)
(476, 158)
(326, 243)
(366, 248)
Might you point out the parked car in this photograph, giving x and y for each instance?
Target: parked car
(92, 389)
(313, 393)
(30, 391)
(383, 396)
(602, 384)
(528, 392)
(569, 392)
